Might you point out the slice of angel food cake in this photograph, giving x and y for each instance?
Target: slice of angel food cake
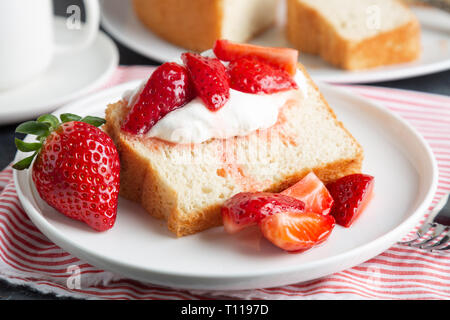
(238, 118)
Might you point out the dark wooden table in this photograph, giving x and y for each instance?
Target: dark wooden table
(438, 83)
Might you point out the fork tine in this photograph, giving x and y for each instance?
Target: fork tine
(437, 231)
(443, 249)
(428, 224)
(419, 234)
(445, 240)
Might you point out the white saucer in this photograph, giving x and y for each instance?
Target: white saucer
(120, 21)
(141, 247)
(69, 76)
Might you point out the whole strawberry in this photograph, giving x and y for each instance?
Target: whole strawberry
(77, 167)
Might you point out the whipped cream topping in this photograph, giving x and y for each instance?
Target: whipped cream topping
(243, 114)
(131, 96)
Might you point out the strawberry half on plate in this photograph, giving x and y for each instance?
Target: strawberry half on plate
(313, 193)
(297, 232)
(351, 193)
(246, 208)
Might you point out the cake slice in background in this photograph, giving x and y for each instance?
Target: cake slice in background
(197, 24)
(354, 34)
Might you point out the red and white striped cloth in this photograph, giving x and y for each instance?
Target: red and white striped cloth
(28, 258)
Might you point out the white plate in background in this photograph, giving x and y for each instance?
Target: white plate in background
(120, 21)
(433, 18)
(141, 247)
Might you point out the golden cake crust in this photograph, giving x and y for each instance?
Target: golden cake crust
(194, 25)
(310, 32)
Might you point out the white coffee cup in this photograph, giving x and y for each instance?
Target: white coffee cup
(27, 43)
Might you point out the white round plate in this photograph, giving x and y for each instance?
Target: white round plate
(119, 20)
(141, 247)
(69, 76)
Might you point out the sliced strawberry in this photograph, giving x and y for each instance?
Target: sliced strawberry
(253, 75)
(246, 209)
(210, 79)
(351, 194)
(313, 193)
(283, 58)
(297, 232)
(167, 89)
